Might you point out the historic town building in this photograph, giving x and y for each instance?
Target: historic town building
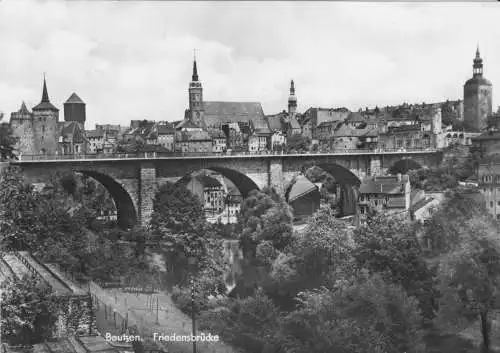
(477, 96)
(391, 193)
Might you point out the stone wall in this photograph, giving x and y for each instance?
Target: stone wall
(147, 190)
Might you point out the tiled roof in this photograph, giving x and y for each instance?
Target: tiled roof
(294, 124)
(422, 203)
(490, 135)
(207, 180)
(23, 109)
(397, 202)
(346, 131)
(195, 136)
(74, 99)
(383, 185)
(217, 113)
(165, 129)
(302, 186)
(71, 128)
(275, 122)
(334, 124)
(45, 106)
(95, 133)
(216, 133)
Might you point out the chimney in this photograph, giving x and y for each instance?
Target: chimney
(399, 176)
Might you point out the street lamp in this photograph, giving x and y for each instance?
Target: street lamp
(192, 268)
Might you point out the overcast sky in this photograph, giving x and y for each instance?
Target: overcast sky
(133, 60)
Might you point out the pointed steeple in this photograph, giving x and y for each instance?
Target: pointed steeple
(477, 68)
(45, 103)
(45, 94)
(195, 71)
(292, 88)
(23, 108)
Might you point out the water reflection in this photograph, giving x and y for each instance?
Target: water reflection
(234, 256)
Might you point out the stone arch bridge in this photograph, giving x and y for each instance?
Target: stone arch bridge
(132, 182)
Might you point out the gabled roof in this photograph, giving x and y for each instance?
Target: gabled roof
(396, 202)
(216, 133)
(195, 136)
(95, 133)
(74, 99)
(165, 129)
(302, 186)
(72, 128)
(275, 122)
(217, 113)
(383, 185)
(294, 124)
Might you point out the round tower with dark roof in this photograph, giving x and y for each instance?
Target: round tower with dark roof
(74, 110)
(477, 96)
(45, 119)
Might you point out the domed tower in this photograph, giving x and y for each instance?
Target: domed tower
(196, 98)
(74, 110)
(292, 100)
(477, 96)
(45, 119)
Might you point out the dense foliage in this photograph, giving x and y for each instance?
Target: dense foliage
(29, 312)
(7, 142)
(189, 245)
(298, 143)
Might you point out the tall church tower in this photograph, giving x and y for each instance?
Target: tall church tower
(196, 109)
(45, 119)
(292, 100)
(477, 96)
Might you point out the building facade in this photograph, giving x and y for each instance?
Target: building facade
(389, 193)
(489, 186)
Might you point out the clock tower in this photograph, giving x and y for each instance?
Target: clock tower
(195, 99)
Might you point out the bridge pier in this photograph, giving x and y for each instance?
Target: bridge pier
(147, 190)
(275, 175)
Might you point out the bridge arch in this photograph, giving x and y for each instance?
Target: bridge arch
(126, 209)
(243, 183)
(403, 166)
(349, 183)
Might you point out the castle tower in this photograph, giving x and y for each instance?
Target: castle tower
(21, 123)
(196, 110)
(477, 96)
(292, 100)
(74, 110)
(45, 119)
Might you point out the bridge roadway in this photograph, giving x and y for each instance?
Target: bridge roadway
(208, 155)
(132, 179)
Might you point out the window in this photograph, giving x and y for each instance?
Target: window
(491, 204)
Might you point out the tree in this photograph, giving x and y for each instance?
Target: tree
(389, 247)
(471, 277)
(178, 222)
(323, 253)
(7, 142)
(176, 208)
(366, 315)
(133, 145)
(298, 143)
(248, 323)
(264, 216)
(28, 311)
(446, 227)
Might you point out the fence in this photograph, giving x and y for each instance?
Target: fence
(154, 155)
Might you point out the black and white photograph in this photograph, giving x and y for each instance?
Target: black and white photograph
(249, 177)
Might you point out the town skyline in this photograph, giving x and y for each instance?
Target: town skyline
(141, 69)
